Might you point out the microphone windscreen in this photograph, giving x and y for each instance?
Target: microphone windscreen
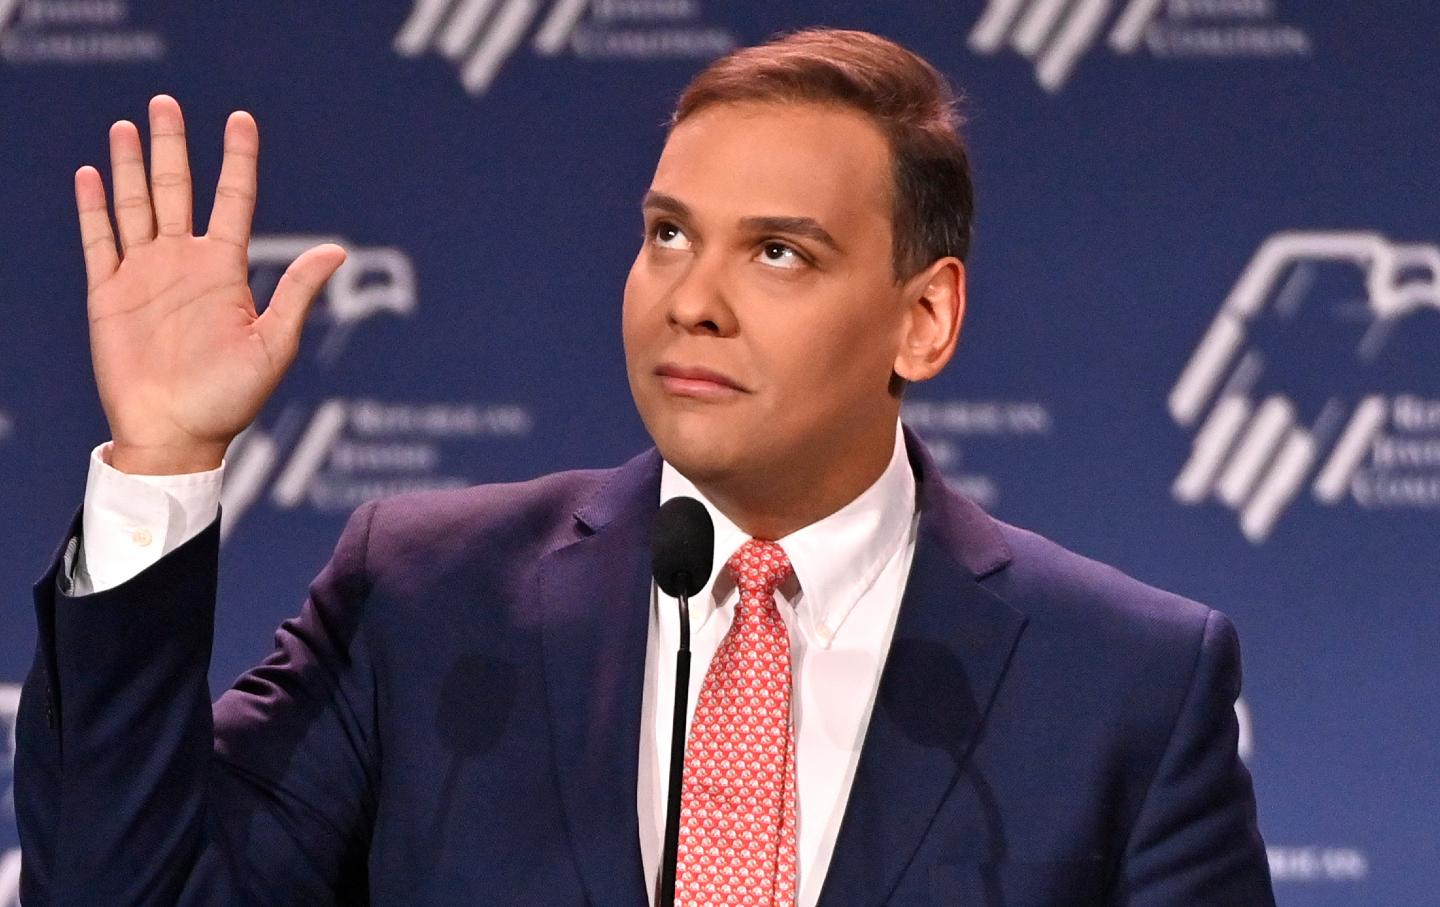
(682, 546)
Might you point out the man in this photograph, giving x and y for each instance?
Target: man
(896, 699)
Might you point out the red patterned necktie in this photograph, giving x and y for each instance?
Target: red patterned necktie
(737, 803)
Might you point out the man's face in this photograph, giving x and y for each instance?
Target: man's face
(761, 317)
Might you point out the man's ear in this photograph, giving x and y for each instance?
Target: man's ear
(935, 306)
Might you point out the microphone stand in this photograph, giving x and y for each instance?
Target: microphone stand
(677, 757)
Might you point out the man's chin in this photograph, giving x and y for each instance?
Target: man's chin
(705, 456)
(714, 446)
(699, 462)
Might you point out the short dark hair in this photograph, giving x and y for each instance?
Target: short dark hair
(912, 103)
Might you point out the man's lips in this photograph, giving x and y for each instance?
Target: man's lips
(695, 381)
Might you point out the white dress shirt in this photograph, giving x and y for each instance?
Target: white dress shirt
(130, 521)
(840, 607)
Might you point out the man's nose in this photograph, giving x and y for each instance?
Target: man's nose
(699, 301)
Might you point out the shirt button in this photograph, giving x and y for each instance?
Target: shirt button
(825, 634)
(141, 537)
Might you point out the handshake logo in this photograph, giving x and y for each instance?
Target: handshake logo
(465, 31)
(1255, 446)
(334, 453)
(479, 36)
(374, 280)
(1055, 34)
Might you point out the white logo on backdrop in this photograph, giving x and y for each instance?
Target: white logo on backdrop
(9, 860)
(1253, 455)
(479, 36)
(1314, 863)
(74, 32)
(1055, 34)
(350, 451)
(336, 453)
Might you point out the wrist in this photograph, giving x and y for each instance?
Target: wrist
(162, 460)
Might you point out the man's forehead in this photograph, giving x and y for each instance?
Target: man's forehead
(801, 160)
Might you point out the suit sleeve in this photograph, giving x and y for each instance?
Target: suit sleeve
(132, 789)
(1195, 841)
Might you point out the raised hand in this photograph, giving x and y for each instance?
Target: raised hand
(182, 359)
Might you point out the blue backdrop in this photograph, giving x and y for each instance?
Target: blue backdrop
(1202, 341)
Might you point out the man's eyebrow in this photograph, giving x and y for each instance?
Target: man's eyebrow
(799, 226)
(796, 225)
(664, 202)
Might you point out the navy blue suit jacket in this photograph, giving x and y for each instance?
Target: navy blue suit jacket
(454, 718)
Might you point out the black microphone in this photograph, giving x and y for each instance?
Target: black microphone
(682, 552)
(682, 547)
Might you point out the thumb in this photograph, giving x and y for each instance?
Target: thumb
(296, 292)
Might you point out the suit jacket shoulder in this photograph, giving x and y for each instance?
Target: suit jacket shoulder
(1100, 604)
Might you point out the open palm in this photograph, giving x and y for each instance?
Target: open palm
(183, 360)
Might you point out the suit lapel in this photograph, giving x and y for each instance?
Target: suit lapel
(952, 643)
(594, 592)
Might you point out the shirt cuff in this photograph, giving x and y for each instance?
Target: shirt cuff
(131, 521)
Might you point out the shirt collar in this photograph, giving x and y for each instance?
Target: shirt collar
(836, 559)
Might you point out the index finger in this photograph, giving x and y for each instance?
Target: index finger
(98, 240)
(235, 194)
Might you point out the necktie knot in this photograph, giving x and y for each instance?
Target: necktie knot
(759, 567)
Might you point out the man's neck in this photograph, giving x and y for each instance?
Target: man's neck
(772, 507)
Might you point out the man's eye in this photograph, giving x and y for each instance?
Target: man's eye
(669, 236)
(780, 255)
